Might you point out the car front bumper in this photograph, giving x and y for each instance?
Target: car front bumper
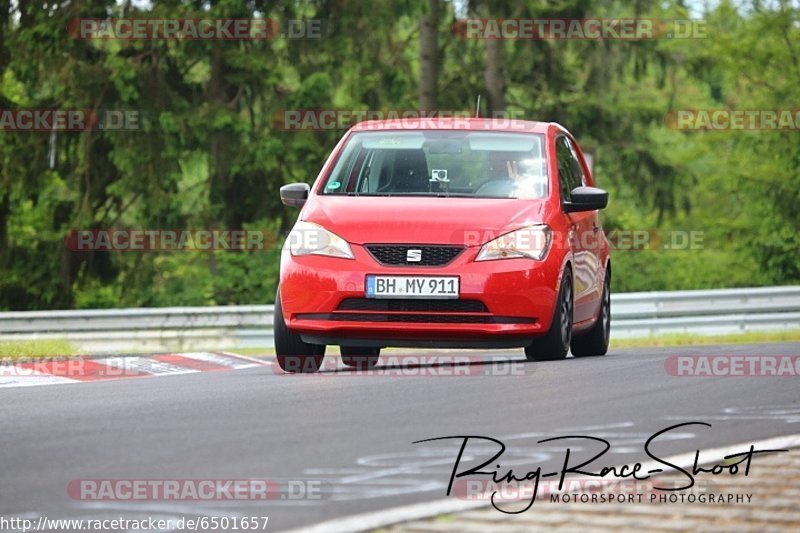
(518, 294)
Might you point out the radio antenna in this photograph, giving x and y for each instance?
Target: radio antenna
(478, 107)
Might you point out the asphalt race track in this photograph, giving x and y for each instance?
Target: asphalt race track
(351, 435)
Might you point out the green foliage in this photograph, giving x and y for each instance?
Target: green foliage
(208, 154)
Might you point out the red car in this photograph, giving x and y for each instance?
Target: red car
(466, 233)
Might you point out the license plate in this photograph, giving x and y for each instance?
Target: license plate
(412, 286)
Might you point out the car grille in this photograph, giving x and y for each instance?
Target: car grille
(414, 310)
(414, 317)
(422, 318)
(419, 306)
(397, 254)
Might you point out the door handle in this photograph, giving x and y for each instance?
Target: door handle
(595, 227)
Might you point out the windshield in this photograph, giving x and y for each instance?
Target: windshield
(441, 163)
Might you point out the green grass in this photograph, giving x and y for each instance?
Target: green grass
(252, 352)
(59, 347)
(642, 342)
(36, 348)
(792, 335)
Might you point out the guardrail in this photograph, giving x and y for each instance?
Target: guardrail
(641, 314)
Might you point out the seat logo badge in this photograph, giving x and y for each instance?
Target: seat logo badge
(413, 256)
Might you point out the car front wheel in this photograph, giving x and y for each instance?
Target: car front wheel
(292, 353)
(555, 344)
(595, 341)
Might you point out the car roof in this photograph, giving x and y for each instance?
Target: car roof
(456, 123)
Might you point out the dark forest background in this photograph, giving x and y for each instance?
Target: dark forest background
(209, 155)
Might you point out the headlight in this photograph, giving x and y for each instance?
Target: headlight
(531, 242)
(307, 238)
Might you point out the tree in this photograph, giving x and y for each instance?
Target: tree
(429, 56)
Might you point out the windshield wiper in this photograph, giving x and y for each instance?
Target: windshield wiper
(434, 194)
(414, 194)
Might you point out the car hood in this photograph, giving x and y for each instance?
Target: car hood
(415, 220)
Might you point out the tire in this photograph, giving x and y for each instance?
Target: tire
(554, 345)
(595, 341)
(359, 357)
(292, 353)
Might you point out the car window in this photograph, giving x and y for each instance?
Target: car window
(577, 170)
(441, 163)
(570, 173)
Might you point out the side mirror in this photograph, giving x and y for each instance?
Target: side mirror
(295, 194)
(586, 199)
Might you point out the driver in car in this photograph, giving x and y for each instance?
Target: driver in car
(524, 178)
